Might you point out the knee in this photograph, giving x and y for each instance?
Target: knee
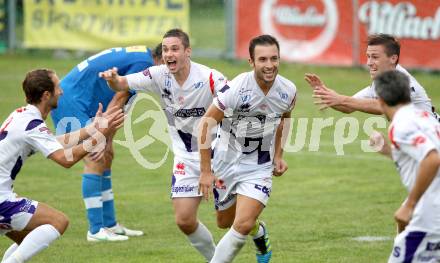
(60, 222)
(244, 226)
(224, 222)
(186, 224)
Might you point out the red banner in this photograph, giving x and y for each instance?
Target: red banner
(331, 32)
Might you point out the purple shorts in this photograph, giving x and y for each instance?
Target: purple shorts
(15, 213)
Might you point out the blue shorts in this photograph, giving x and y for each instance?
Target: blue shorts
(15, 213)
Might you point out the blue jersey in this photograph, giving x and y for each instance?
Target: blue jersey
(83, 89)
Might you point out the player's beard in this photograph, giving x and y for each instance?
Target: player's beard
(269, 81)
(53, 102)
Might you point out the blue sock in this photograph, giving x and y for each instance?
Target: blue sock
(91, 190)
(108, 204)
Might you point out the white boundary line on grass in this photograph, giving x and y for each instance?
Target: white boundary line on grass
(372, 238)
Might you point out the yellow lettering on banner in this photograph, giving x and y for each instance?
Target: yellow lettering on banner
(98, 24)
(136, 49)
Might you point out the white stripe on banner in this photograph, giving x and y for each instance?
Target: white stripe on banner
(93, 202)
(107, 195)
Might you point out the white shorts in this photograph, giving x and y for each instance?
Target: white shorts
(416, 247)
(15, 213)
(185, 178)
(251, 180)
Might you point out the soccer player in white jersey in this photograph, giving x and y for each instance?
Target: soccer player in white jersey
(415, 144)
(186, 90)
(30, 224)
(383, 52)
(248, 149)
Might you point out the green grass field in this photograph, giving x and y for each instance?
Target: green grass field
(315, 211)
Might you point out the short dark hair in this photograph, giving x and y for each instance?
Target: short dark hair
(391, 44)
(393, 87)
(262, 40)
(36, 83)
(157, 51)
(177, 32)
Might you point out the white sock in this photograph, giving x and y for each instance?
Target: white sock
(202, 240)
(229, 246)
(9, 251)
(37, 240)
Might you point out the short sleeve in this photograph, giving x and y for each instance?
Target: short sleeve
(292, 104)
(412, 141)
(217, 81)
(145, 80)
(366, 93)
(226, 100)
(41, 138)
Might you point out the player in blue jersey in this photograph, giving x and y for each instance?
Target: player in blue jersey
(83, 91)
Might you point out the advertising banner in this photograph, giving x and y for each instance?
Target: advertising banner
(415, 23)
(334, 32)
(93, 25)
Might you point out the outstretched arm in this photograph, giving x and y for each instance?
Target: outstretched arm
(115, 82)
(73, 138)
(96, 135)
(329, 98)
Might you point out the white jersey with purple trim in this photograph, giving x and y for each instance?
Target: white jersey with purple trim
(22, 134)
(414, 133)
(183, 105)
(251, 119)
(418, 93)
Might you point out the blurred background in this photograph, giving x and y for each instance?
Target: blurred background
(325, 32)
(327, 207)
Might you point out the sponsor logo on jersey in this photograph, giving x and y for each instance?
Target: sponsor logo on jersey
(283, 95)
(244, 91)
(147, 73)
(245, 98)
(193, 112)
(180, 168)
(245, 107)
(166, 94)
(167, 82)
(198, 85)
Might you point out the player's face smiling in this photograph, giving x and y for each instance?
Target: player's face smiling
(378, 61)
(265, 64)
(174, 54)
